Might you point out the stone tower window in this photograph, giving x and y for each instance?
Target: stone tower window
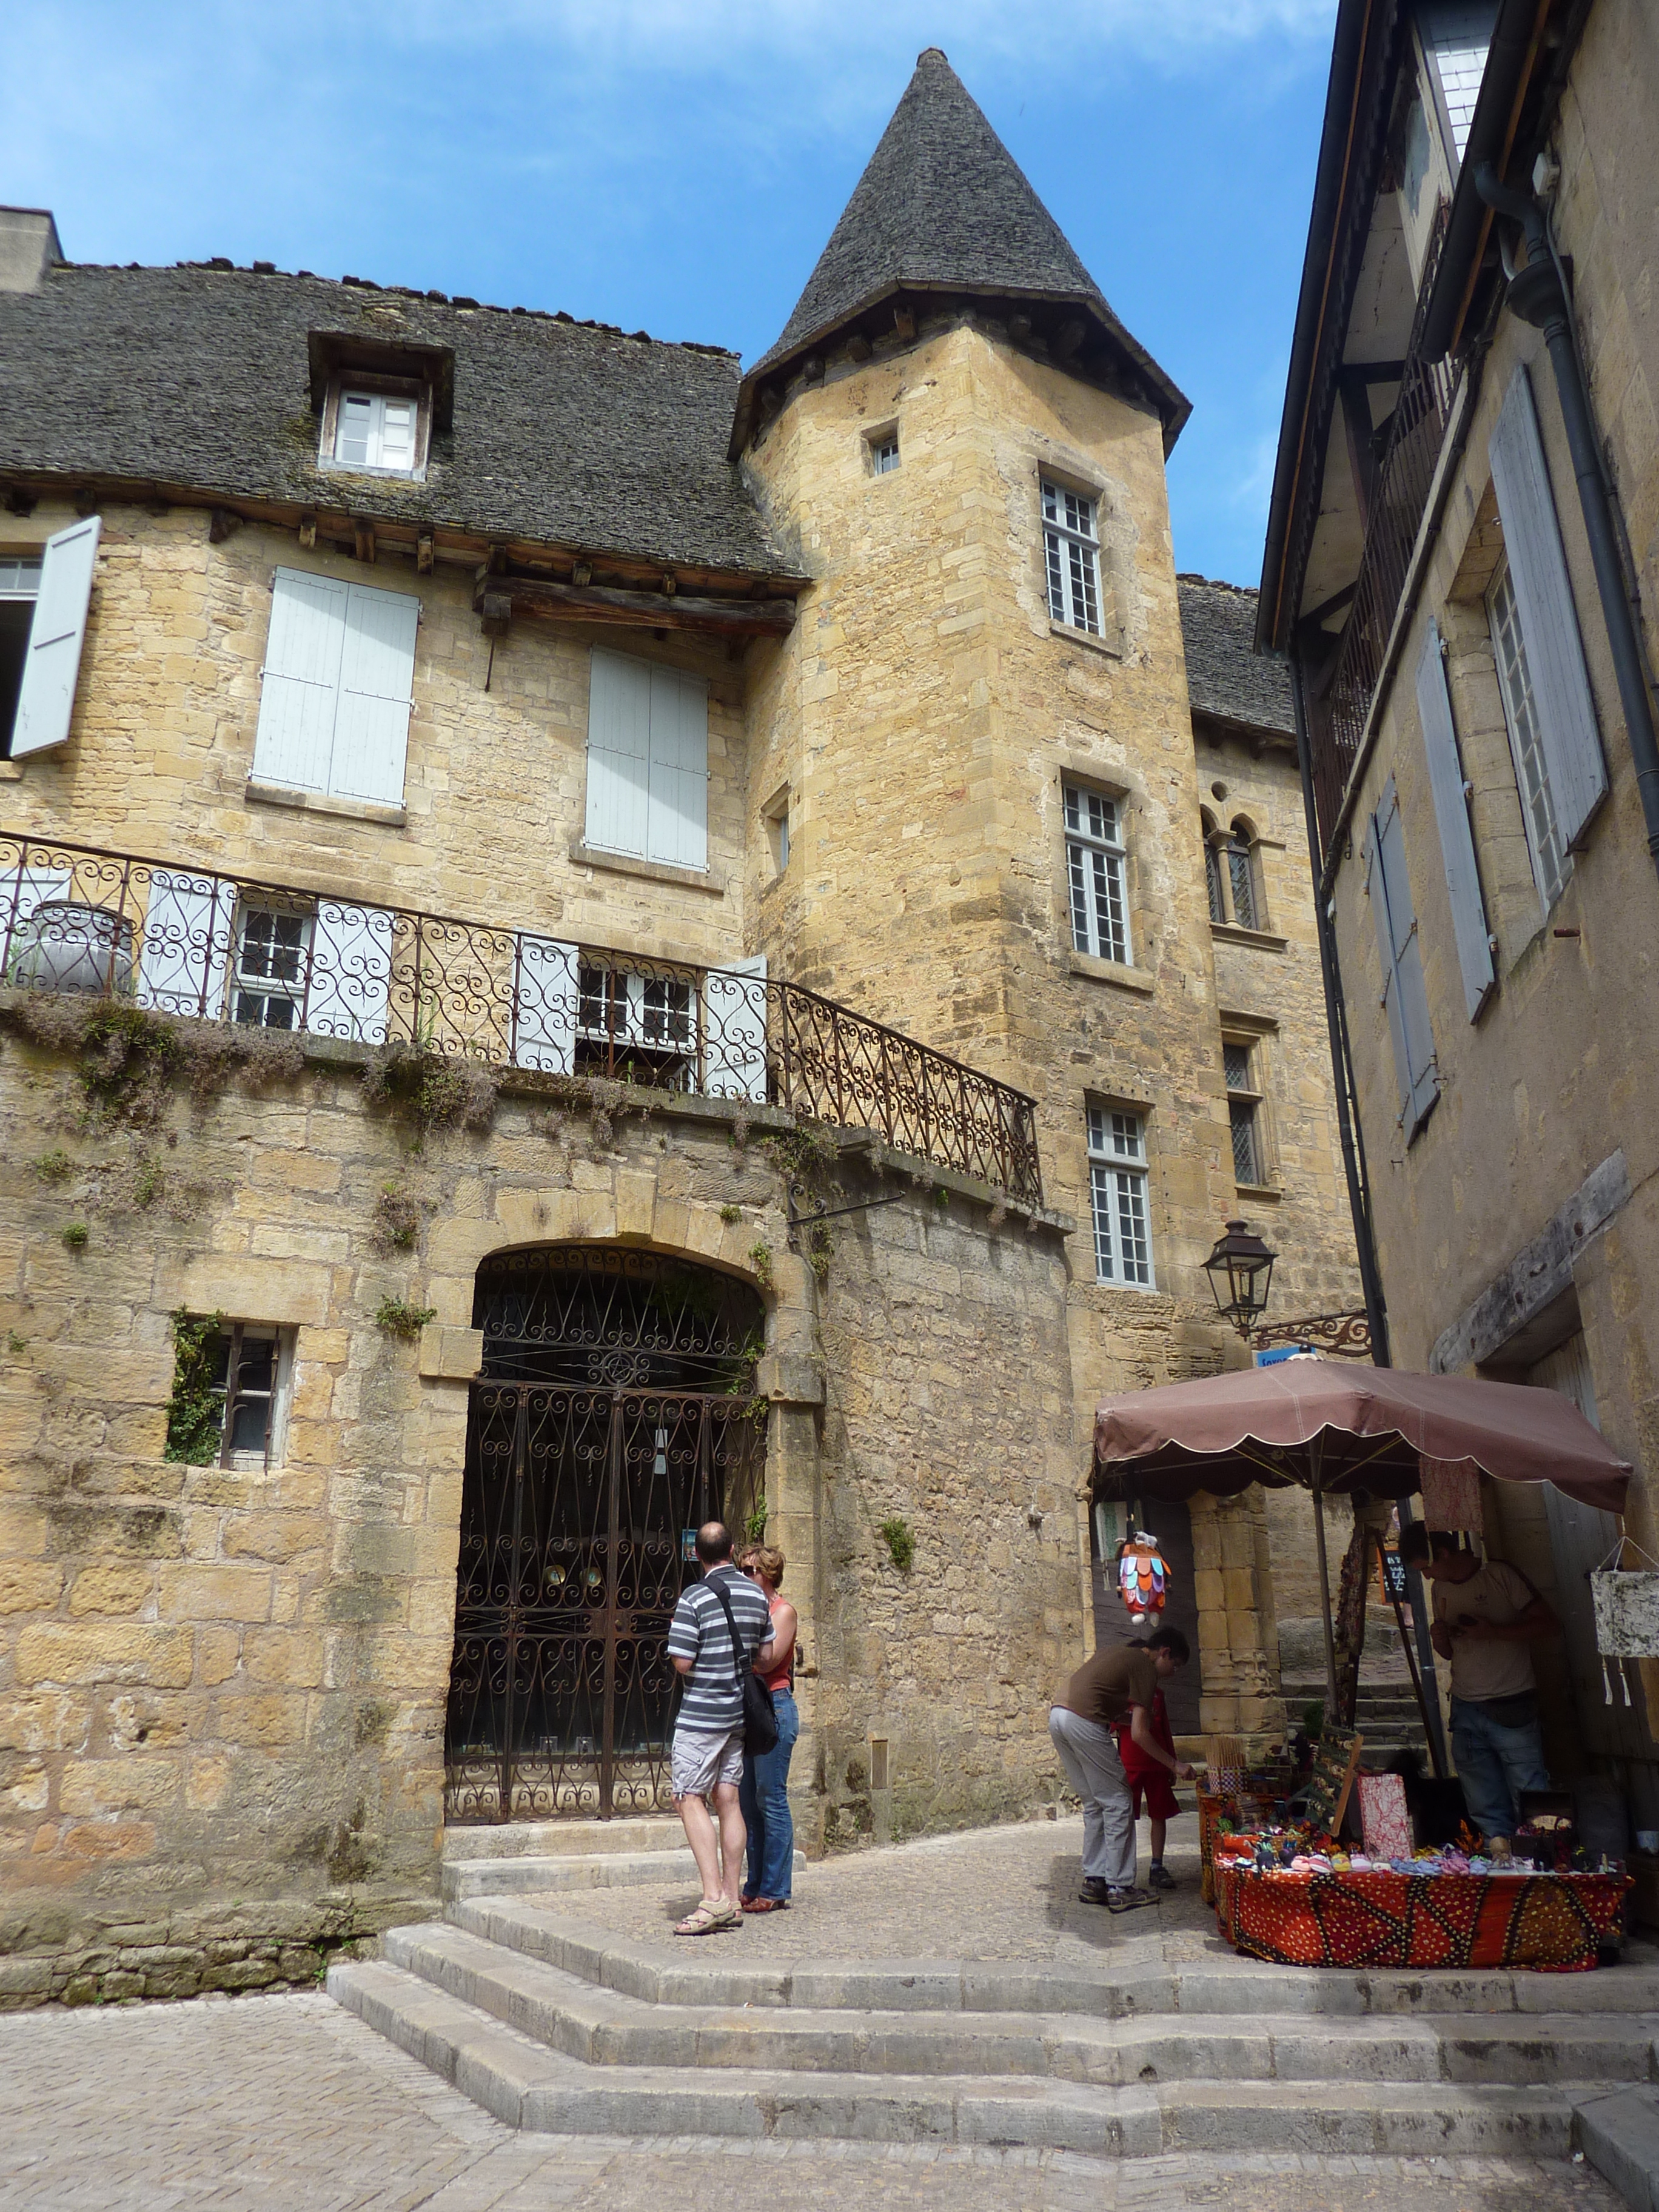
(1117, 1190)
(883, 447)
(1243, 1111)
(1070, 545)
(1095, 863)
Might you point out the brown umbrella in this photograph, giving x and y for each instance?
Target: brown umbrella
(1314, 1425)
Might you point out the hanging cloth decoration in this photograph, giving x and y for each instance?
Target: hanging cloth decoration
(1626, 1602)
(1142, 1576)
(1451, 1494)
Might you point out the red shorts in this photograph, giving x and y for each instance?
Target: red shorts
(1157, 1787)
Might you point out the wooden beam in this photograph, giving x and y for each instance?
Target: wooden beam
(598, 603)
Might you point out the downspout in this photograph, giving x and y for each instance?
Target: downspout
(1336, 1022)
(1537, 294)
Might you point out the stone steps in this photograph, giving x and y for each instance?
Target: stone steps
(523, 1875)
(527, 2085)
(563, 1839)
(604, 2027)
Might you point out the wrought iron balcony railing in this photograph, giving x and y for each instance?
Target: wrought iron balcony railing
(189, 942)
(1338, 697)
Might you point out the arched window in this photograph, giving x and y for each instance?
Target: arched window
(1243, 884)
(1212, 867)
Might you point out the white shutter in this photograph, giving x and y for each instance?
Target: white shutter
(349, 981)
(300, 680)
(377, 677)
(734, 1030)
(186, 950)
(1404, 994)
(46, 699)
(544, 1004)
(21, 891)
(1549, 624)
(1452, 814)
(677, 821)
(618, 753)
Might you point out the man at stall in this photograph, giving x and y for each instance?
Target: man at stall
(1120, 1683)
(1485, 1615)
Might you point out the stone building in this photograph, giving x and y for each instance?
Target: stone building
(593, 939)
(1460, 565)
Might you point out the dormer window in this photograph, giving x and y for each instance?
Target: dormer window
(380, 428)
(373, 431)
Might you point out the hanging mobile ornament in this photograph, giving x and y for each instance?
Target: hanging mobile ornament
(1143, 1576)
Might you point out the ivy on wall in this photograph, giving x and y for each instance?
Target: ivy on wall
(196, 1411)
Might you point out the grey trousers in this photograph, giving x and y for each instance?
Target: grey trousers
(1089, 1754)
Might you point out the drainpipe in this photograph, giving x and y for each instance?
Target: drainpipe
(1537, 294)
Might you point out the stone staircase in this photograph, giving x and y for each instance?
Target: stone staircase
(555, 2023)
(1386, 1716)
(543, 1858)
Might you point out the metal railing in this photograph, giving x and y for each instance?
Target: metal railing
(1339, 701)
(210, 947)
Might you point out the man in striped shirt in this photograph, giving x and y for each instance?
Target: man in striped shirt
(706, 1757)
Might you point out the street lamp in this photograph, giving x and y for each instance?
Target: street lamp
(1240, 1270)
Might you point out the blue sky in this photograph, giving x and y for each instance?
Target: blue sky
(675, 165)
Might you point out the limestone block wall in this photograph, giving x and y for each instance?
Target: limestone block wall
(162, 746)
(221, 1693)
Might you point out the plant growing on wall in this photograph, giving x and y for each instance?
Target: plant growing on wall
(196, 1411)
(759, 1259)
(75, 1237)
(901, 1544)
(397, 1219)
(55, 1166)
(130, 1062)
(392, 1318)
(427, 1092)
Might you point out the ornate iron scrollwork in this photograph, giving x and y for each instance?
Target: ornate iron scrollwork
(1347, 1335)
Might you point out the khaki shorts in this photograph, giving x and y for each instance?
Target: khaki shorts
(698, 1762)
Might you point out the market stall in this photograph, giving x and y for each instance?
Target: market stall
(1284, 1886)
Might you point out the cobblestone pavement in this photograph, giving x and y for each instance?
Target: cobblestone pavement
(261, 2103)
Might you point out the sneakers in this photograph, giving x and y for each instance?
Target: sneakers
(1127, 1901)
(1158, 1879)
(1094, 1892)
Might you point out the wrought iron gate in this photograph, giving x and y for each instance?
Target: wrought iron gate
(577, 1500)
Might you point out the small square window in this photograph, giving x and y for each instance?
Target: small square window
(251, 1380)
(273, 950)
(885, 453)
(380, 432)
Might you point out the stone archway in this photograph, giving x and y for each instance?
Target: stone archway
(614, 1411)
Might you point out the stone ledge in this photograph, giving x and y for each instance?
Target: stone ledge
(1110, 971)
(655, 872)
(1264, 940)
(318, 802)
(790, 1379)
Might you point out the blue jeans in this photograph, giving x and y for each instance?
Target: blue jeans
(763, 1794)
(1494, 1765)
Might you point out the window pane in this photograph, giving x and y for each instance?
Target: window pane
(1125, 1137)
(1109, 904)
(1212, 885)
(356, 428)
(1243, 883)
(1133, 1253)
(1235, 1062)
(886, 457)
(1083, 938)
(1247, 1161)
(1526, 742)
(248, 1424)
(1056, 577)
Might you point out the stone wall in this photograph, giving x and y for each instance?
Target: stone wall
(221, 1693)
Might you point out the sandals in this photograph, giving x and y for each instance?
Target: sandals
(766, 1905)
(712, 1914)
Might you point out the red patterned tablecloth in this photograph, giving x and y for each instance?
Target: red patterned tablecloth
(1552, 1922)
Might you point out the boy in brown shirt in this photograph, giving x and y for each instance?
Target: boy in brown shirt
(1118, 1682)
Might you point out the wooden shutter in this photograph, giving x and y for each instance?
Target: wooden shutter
(186, 950)
(45, 701)
(734, 1026)
(1549, 622)
(349, 980)
(1404, 994)
(377, 675)
(618, 753)
(1451, 812)
(300, 680)
(544, 1004)
(677, 828)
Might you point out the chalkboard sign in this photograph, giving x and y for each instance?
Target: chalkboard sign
(1392, 1576)
(1335, 1764)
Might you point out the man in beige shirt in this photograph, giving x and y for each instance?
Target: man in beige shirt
(1486, 1614)
(1121, 1678)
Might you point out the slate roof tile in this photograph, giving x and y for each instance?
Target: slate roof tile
(1225, 675)
(198, 377)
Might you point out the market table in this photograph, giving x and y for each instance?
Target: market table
(1550, 1923)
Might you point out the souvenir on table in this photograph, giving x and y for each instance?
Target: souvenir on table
(1336, 1762)
(1383, 1817)
(1142, 1576)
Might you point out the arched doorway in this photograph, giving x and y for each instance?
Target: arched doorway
(615, 1411)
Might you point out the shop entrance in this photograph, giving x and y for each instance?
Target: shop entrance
(615, 1412)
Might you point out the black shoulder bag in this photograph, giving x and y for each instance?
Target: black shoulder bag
(760, 1719)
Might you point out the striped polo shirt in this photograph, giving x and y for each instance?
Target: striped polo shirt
(711, 1695)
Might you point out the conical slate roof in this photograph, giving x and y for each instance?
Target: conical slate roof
(944, 207)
